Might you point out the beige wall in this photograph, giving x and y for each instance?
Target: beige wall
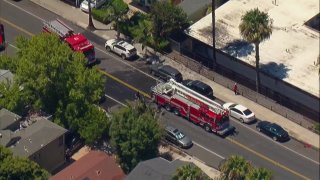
(51, 156)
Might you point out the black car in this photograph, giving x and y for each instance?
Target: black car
(177, 137)
(73, 143)
(165, 72)
(200, 87)
(273, 130)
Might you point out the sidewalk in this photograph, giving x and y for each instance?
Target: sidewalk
(81, 19)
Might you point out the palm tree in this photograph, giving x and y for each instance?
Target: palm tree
(189, 172)
(213, 8)
(236, 168)
(255, 27)
(90, 25)
(259, 173)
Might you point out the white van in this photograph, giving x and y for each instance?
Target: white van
(94, 4)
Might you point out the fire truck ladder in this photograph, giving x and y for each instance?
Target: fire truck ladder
(183, 91)
(59, 27)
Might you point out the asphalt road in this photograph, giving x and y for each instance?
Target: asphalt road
(290, 160)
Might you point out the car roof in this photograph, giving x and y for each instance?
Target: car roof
(240, 107)
(200, 84)
(125, 45)
(170, 69)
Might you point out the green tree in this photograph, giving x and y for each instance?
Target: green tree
(135, 135)
(235, 167)
(259, 174)
(189, 172)
(19, 168)
(119, 10)
(55, 80)
(167, 19)
(143, 32)
(255, 27)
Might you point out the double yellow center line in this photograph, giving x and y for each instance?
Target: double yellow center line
(148, 96)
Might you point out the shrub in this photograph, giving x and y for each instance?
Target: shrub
(103, 14)
(317, 128)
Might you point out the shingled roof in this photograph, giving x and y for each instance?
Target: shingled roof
(94, 165)
(8, 118)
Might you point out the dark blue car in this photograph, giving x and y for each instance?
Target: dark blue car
(273, 130)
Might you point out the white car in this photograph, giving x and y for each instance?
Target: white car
(94, 4)
(122, 48)
(240, 112)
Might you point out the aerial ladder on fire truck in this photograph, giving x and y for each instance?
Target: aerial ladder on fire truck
(58, 27)
(172, 87)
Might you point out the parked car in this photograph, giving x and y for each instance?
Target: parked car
(240, 112)
(2, 37)
(165, 72)
(84, 6)
(177, 137)
(122, 48)
(200, 87)
(273, 130)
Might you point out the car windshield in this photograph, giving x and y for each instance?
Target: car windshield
(85, 2)
(247, 112)
(223, 120)
(179, 135)
(232, 105)
(133, 50)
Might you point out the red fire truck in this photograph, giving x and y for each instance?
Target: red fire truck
(76, 41)
(2, 39)
(193, 106)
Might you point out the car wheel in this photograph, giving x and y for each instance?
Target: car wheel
(176, 112)
(123, 56)
(207, 128)
(108, 48)
(258, 129)
(167, 107)
(241, 120)
(275, 138)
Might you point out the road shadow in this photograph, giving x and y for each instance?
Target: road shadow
(277, 70)
(238, 48)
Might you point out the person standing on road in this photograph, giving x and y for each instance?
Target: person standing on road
(235, 88)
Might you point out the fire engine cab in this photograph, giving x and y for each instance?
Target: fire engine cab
(76, 41)
(193, 106)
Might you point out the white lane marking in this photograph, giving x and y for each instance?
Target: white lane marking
(124, 62)
(316, 162)
(24, 10)
(116, 100)
(115, 57)
(208, 150)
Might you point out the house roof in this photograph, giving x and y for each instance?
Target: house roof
(5, 75)
(155, 169)
(35, 136)
(7, 118)
(94, 165)
(292, 49)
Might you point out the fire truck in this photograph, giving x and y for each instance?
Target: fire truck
(76, 41)
(2, 39)
(193, 106)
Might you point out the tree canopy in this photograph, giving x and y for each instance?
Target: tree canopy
(189, 172)
(19, 168)
(167, 18)
(54, 80)
(238, 168)
(135, 135)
